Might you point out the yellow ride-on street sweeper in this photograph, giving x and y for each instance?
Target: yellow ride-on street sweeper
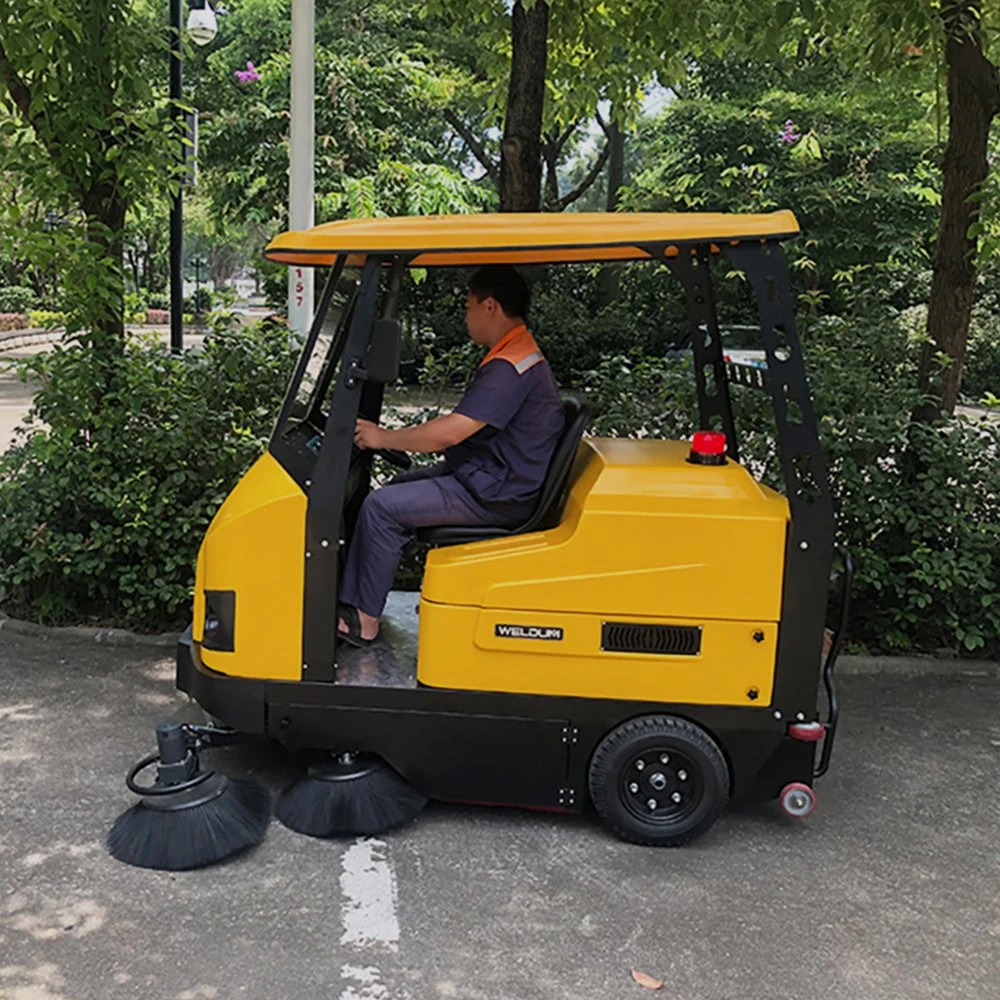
(649, 638)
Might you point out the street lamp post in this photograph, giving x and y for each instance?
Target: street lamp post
(201, 27)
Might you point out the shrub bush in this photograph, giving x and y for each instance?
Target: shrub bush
(199, 302)
(46, 319)
(107, 493)
(981, 374)
(109, 489)
(17, 299)
(12, 321)
(580, 315)
(224, 297)
(135, 307)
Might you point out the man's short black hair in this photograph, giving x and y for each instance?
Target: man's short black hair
(504, 283)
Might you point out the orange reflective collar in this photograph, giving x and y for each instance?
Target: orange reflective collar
(514, 346)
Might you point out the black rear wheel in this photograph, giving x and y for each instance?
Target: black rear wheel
(659, 780)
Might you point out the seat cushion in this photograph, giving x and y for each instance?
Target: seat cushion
(457, 534)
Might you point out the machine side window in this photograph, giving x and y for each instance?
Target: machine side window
(322, 361)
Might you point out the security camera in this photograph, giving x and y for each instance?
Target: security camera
(201, 25)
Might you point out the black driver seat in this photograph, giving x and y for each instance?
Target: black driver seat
(551, 498)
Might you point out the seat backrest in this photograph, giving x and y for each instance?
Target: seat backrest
(555, 488)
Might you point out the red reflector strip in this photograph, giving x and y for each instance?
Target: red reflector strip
(807, 732)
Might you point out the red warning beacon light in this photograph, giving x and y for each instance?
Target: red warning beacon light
(708, 448)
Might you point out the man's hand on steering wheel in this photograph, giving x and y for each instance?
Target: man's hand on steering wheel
(369, 436)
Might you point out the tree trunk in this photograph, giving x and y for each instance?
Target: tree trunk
(550, 156)
(520, 149)
(104, 313)
(616, 165)
(609, 280)
(973, 102)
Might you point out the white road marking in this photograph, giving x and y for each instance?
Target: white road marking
(362, 983)
(369, 887)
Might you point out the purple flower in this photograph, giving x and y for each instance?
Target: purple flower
(248, 75)
(789, 133)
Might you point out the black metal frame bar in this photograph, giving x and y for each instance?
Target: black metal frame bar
(177, 198)
(715, 408)
(833, 703)
(809, 547)
(326, 491)
(370, 405)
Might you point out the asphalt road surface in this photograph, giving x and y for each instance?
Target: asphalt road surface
(890, 890)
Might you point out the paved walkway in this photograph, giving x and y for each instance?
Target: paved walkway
(888, 892)
(15, 396)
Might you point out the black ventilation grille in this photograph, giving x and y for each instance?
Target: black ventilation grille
(670, 640)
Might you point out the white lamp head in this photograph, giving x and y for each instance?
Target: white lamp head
(201, 25)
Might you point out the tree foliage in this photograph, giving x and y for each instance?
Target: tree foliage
(83, 126)
(858, 169)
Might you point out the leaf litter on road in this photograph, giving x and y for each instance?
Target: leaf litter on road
(647, 981)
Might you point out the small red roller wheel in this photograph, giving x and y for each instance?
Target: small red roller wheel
(797, 800)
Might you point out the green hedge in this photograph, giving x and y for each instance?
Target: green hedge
(107, 494)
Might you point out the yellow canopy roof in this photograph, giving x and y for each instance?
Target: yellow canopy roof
(521, 238)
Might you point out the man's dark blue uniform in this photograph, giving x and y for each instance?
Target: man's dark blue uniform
(492, 476)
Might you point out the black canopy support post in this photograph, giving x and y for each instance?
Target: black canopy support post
(328, 489)
(715, 408)
(372, 398)
(391, 300)
(809, 551)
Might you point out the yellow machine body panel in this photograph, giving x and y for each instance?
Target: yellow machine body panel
(646, 538)
(468, 653)
(254, 549)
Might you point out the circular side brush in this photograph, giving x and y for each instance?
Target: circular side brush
(188, 818)
(351, 795)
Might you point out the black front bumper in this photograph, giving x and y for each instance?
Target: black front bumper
(239, 702)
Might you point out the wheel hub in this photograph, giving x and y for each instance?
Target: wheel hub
(660, 786)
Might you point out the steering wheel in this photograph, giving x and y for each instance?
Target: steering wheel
(400, 459)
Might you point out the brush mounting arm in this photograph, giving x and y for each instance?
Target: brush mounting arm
(178, 767)
(208, 737)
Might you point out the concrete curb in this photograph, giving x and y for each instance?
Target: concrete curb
(83, 633)
(28, 338)
(34, 337)
(847, 666)
(910, 666)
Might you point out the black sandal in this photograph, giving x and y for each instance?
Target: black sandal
(352, 620)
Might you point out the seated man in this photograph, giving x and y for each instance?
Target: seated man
(497, 446)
